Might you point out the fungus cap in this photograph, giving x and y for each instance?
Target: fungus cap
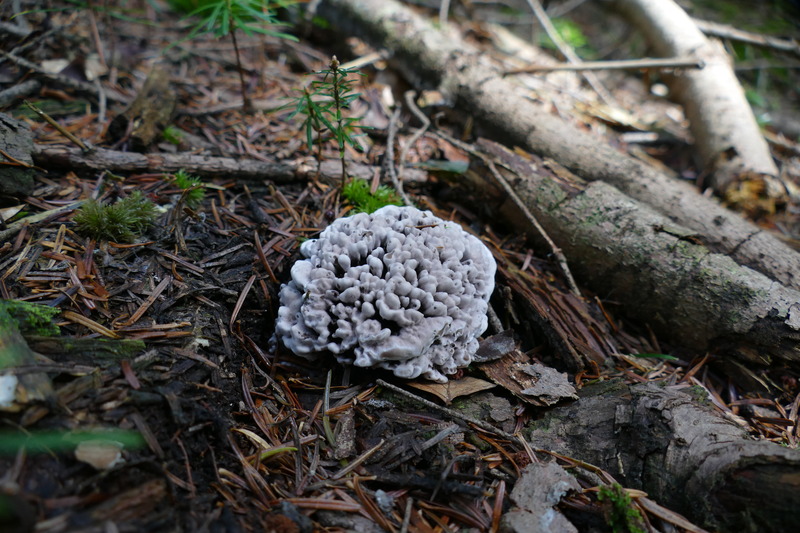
(399, 289)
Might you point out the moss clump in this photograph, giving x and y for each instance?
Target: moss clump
(119, 222)
(620, 515)
(357, 192)
(172, 135)
(31, 319)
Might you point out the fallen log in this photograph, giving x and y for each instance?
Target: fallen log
(728, 140)
(684, 454)
(427, 56)
(660, 272)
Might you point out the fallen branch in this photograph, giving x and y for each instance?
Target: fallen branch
(567, 51)
(728, 140)
(199, 165)
(619, 64)
(723, 31)
(425, 56)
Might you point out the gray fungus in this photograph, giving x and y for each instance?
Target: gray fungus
(400, 289)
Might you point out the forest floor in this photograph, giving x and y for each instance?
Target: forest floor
(235, 433)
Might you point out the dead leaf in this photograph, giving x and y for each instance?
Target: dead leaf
(100, 454)
(8, 212)
(495, 347)
(451, 390)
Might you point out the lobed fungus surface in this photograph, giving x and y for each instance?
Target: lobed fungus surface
(399, 289)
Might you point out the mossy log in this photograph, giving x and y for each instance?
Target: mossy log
(202, 165)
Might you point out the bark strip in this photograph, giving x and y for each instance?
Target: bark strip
(427, 56)
(145, 119)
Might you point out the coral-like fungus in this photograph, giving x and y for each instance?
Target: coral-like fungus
(399, 289)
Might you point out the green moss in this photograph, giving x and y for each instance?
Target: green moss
(620, 515)
(357, 192)
(31, 319)
(172, 135)
(699, 394)
(571, 34)
(119, 222)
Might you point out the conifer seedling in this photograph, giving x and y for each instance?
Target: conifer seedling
(224, 17)
(323, 105)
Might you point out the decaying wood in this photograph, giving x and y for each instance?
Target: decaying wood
(425, 56)
(661, 272)
(199, 165)
(685, 455)
(16, 143)
(150, 112)
(539, 489)
(728, 140)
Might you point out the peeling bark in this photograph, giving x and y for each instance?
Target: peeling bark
(427, 56)
(16, 140)
(682, 453)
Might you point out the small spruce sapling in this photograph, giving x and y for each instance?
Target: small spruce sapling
(224, 17)
(323, 106)
(193, 189)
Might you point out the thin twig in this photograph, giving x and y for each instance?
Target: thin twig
(83, 146)
(358, 461)
(21, 90)
(98, 43)
(63, 80)
(366, 60)
(621, 64)
(567, 51)
(391, 170)
(412, 106)
(407, 514)
(444, 10)
(723, 31)
(559, 255)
